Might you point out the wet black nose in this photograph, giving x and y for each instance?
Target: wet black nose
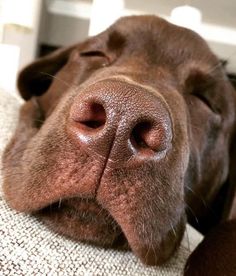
(120, 120)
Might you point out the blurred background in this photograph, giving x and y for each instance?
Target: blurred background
(33, 28)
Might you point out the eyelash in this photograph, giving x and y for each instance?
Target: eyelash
(93, 54)
(204, 99)
(97, 54)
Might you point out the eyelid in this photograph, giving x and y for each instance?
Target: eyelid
(202, 86)
(93, 53)
(204, 99)
(97, 54)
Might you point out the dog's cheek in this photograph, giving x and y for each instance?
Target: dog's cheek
(48, 166)
(14, 152)
(26, 129)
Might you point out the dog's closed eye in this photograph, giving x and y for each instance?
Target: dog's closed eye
(92, 54)
(203, 88)
(96, 55)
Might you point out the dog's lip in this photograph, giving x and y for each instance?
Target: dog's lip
(79, 205)
(88, 213)
(89, 206)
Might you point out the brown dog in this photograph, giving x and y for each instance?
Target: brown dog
(133, 130)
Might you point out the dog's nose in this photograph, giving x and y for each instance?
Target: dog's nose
(120, 121)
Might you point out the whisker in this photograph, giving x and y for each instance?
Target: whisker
(173, 229)
(221, 64)
(194, 215)
(199, 197)
(214, 68)
(69, 85)
(152, 245)
(59, 203)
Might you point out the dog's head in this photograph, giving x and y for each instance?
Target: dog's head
(119, 132)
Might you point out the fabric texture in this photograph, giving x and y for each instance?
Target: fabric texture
(28, 247)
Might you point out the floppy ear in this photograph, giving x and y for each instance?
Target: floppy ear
(232, 179)
(230, 207)
(35, 78)
(215, 255)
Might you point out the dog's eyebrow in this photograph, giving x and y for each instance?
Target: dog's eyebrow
(116, 41)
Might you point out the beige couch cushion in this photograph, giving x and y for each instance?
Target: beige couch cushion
(27, 247)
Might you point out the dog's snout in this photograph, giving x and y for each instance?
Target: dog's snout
(120, 121)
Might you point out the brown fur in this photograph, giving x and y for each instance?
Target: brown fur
(122, 135)
(215, 256)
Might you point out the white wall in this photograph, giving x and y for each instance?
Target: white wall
(59, 30)
(26, 39)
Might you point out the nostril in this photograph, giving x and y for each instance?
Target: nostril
(138, 135)
(96, 116)
(148, 137)
(91, 116)
(93, 124)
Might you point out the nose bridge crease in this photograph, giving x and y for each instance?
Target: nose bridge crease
(104, 164)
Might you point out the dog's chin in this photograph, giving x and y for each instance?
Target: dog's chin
(85, 220)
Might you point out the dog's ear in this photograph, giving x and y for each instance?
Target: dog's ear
(35, 78)
(230, 205)
(232, 179)
(215, 255)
